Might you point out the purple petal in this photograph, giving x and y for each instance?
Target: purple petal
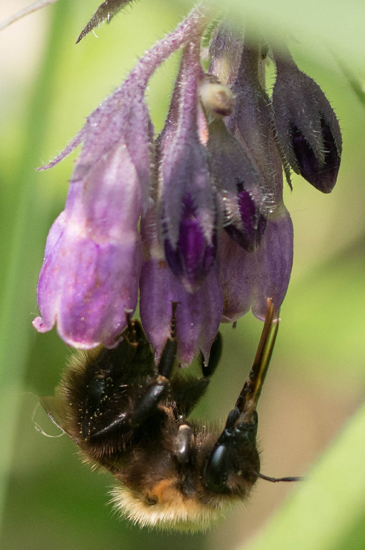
(192, 258)
(49, 295)
(274, 263)
(89, 278)
(197, 315)
(90, 295)
(237, 275)
(187, 199)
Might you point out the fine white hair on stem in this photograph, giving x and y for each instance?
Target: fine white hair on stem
(25, 11)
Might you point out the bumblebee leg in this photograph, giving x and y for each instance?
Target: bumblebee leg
(147, 404)
(157, 390)
(187, 392)
(235, 449)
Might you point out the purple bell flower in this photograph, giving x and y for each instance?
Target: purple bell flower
(237, 178)
(310, 136)
(274, 263)
(90, 275)
(187, 199)
(89, 278)
(249, 279)
(197, 315)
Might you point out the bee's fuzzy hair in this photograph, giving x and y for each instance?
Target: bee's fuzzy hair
(180, 513)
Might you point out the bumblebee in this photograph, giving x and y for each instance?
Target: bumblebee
(129, 416)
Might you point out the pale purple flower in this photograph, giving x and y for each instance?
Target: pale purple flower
(90, 274)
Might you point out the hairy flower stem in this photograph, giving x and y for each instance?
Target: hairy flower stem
(192, 27)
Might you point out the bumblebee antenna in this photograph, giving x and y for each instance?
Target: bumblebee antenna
(251, 391)
(278, 479)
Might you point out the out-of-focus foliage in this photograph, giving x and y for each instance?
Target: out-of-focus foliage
(48, 499)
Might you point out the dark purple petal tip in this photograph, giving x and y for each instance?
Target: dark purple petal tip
(193, 257)
(322, 176)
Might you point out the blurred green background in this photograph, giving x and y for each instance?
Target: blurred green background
(316, 384)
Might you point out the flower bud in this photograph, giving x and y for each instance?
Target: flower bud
(306, 125)
(251, 125)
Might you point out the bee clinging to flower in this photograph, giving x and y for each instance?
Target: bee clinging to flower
(130, 416)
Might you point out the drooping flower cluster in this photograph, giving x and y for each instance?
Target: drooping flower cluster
(196, 215)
